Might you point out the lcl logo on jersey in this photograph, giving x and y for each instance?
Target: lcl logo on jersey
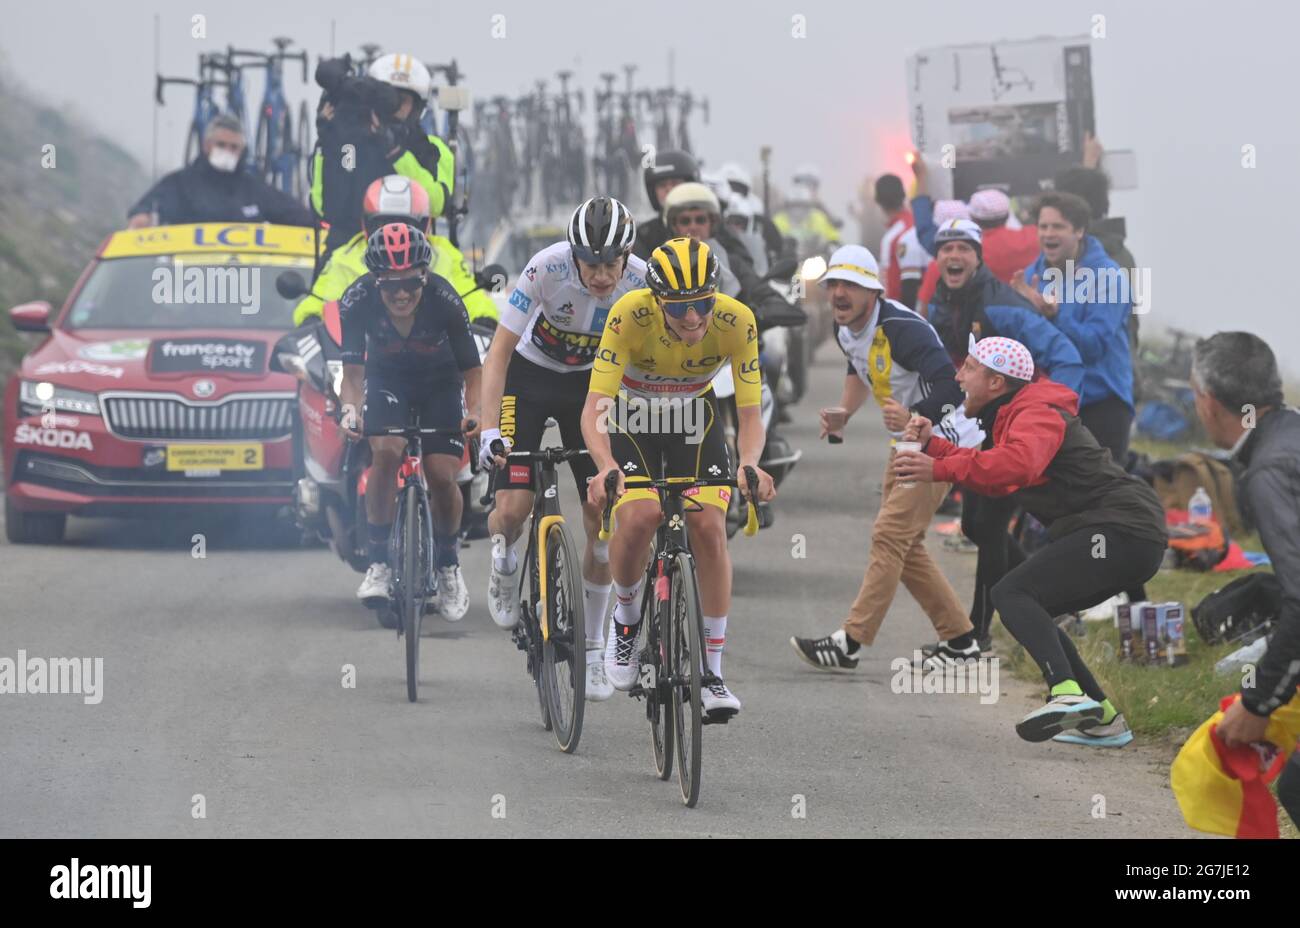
(608, 355)
(712, 360)
(726, 317)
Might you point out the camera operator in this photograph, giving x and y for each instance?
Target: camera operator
(369, 127)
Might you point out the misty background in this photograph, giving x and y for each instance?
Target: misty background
(1185, 85)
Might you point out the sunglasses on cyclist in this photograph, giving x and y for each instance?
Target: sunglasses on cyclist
(699, 220)
(678, 309)
(392, 285)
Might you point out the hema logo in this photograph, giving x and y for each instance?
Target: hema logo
(90, 881)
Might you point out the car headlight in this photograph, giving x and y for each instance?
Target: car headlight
(37, 396)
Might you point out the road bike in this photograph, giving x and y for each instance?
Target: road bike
(552, 626)
(206, 108)
(279, 152)
(410, 547)
(673, 671)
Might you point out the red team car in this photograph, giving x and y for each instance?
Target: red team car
(151, 392)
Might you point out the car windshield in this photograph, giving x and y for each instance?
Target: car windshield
(187, 292)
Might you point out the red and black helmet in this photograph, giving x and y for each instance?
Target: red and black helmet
(397, 247)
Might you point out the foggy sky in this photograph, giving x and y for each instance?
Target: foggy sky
(1184, 84)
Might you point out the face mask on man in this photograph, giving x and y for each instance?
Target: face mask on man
(223, 160)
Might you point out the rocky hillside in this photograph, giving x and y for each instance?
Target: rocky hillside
(51, 219)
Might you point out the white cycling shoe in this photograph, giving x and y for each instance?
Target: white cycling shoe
(622, 660)
(718, 702)
(374, 589)
(598, 686)
(503, 598)
(453, 594)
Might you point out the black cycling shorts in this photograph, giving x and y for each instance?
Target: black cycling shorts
(390, 400)
(532, 395)
(654, 452)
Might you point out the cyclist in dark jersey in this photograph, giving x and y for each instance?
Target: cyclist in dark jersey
(407, 348)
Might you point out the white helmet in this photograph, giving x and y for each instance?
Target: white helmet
(690, 195)
(403, 72)
(736, 175)
(718, 184)
(808, 175)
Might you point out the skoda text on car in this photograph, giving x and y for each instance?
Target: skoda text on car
(151, 391)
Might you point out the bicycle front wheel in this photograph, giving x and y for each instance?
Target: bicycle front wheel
(686, 650)
(411, 586)
(565, 650)
(658, 701)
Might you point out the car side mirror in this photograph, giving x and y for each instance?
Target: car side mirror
(285, 358)
(290, 285)
(31, 317)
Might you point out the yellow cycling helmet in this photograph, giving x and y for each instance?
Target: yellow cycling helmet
(681, 269)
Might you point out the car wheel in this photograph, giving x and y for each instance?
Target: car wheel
(33, 528)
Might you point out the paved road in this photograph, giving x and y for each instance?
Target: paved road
(223, 680)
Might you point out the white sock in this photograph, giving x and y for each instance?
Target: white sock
(715, 637)
(508, 564)
(595, 603)
(627, 611)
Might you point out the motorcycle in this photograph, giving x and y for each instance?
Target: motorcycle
(778, 458)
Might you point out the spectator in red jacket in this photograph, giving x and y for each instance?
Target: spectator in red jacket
(1106, 530)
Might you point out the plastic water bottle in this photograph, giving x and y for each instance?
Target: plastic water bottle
(1200, 510)
(1252, 653)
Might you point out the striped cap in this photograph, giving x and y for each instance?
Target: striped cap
(855, 264)
(601, 231)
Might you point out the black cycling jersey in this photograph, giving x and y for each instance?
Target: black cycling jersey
(439, 347)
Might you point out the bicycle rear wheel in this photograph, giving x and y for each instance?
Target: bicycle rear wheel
(411, 586)
(658, 702)
(564, 650)
(262, 149)
(686, 650)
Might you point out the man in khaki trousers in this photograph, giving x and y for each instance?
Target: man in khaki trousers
(895, 356)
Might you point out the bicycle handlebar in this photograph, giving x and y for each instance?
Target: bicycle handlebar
(545, 455)
(679, 485)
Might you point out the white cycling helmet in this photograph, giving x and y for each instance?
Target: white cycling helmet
(736, 176)
(404, 72)
(808, 175)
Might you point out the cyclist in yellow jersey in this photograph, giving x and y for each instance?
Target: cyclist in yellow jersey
(651, 412)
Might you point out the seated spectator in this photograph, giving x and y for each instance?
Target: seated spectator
(215, 187)
(1239, 399)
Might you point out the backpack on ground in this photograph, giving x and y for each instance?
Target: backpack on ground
(1176, 480)
(1240, 607)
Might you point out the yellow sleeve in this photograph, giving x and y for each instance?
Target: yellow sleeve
(317, 184)
(617, 343)
(452, 265)
(344, 266)
(742, 345)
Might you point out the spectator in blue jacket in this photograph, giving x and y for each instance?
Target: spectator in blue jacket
(1076, 286)
(970, 302)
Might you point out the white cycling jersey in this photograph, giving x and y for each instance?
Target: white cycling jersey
(558, 321)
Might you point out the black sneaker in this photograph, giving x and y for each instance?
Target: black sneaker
(829, 653)
(941, 654)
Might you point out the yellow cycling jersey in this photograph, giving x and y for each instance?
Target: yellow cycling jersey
(640, 354)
